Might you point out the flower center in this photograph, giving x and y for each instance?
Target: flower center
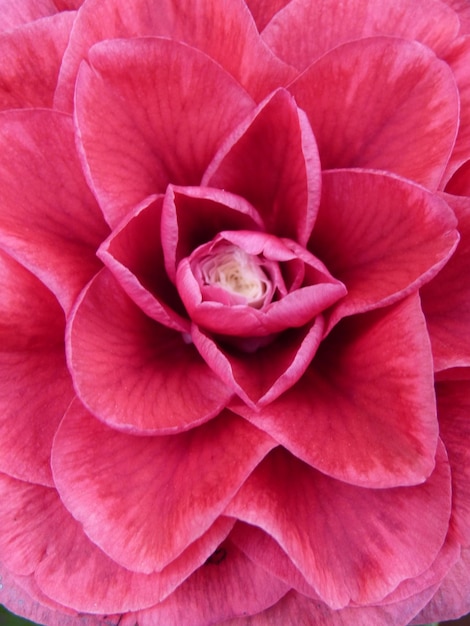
(238, 273)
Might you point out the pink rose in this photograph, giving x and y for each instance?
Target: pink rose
(235, 312)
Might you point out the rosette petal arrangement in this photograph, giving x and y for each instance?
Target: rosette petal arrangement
(235, 312)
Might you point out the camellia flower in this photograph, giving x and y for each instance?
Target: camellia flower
(235, 311)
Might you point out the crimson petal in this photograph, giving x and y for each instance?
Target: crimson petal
(144, 500)
(133, 373)
(382, 103)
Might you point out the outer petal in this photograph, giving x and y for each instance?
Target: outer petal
(143, 119)
(35, 387)
(223, 29)
(364, 412)
(19, 13)
(144, 500)
(272, 161)
(349, 543)
(39, 537)
(31, 58)
(381, 236)
(229, 585)
(446, 299)
(382, 103)
(133, 373)
(35, 222)
(305, 30)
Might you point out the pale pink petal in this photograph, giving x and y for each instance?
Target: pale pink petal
(458, 58)
(462, 8)
(35, 387)
(258, 375)
(272, 161)
(31, 58)
(37, 215)
(452, 599)
(295, 609)
(133, 253)
(351, 544)
(223, 29)
(40, 538)
(21, 12)
(305, 30)
(381, 236)
(133, 373)
(228, 585)
(382, 103)
(144, 120)
(144, 500)
(263, 10)
(453, 399)
(446, 299)
(364, 412)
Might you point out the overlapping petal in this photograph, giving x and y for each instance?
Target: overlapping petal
(133, 373)
(144, 500)
(364, 411)
(382, 103)
(16, 14)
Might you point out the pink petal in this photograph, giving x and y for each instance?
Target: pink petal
(35, 387)
(263, 10)
(40, 537)
(382, 103)
(133, 253)
(260, 376)
(364, 412)
(192, 216)
(143, 119)
(220, 590)
(133, 373)
(381, 236)
(31, 58)
(144, 500)
(223, 29)
(446, 299)
(21, 12)
(458, 58)
(462, 8)
(272, 161)
(305, 30)
(38, 149)
(295, 609)
(459, 184)
(453, 408)
(351, 544)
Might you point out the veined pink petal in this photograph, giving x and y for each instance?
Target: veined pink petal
(133, 253)
(261, 376)
(38, 149)
(453, 405)
(364, 412)
(349, 543)
(446, 299)
(35, 387)
(40, 538)
(263, 10)
(21, 12)
(305, 30)
(381, 236)
(228, 585)
(382, 103)
(144, 500)
(144, 121)
(133, 373)
(31, 58)
(272, 161)
(295, 609)
(192, 216)
(223, 29)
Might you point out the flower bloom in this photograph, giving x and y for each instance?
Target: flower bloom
(235, 311)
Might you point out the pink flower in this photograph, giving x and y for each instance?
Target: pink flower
(235, 312)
